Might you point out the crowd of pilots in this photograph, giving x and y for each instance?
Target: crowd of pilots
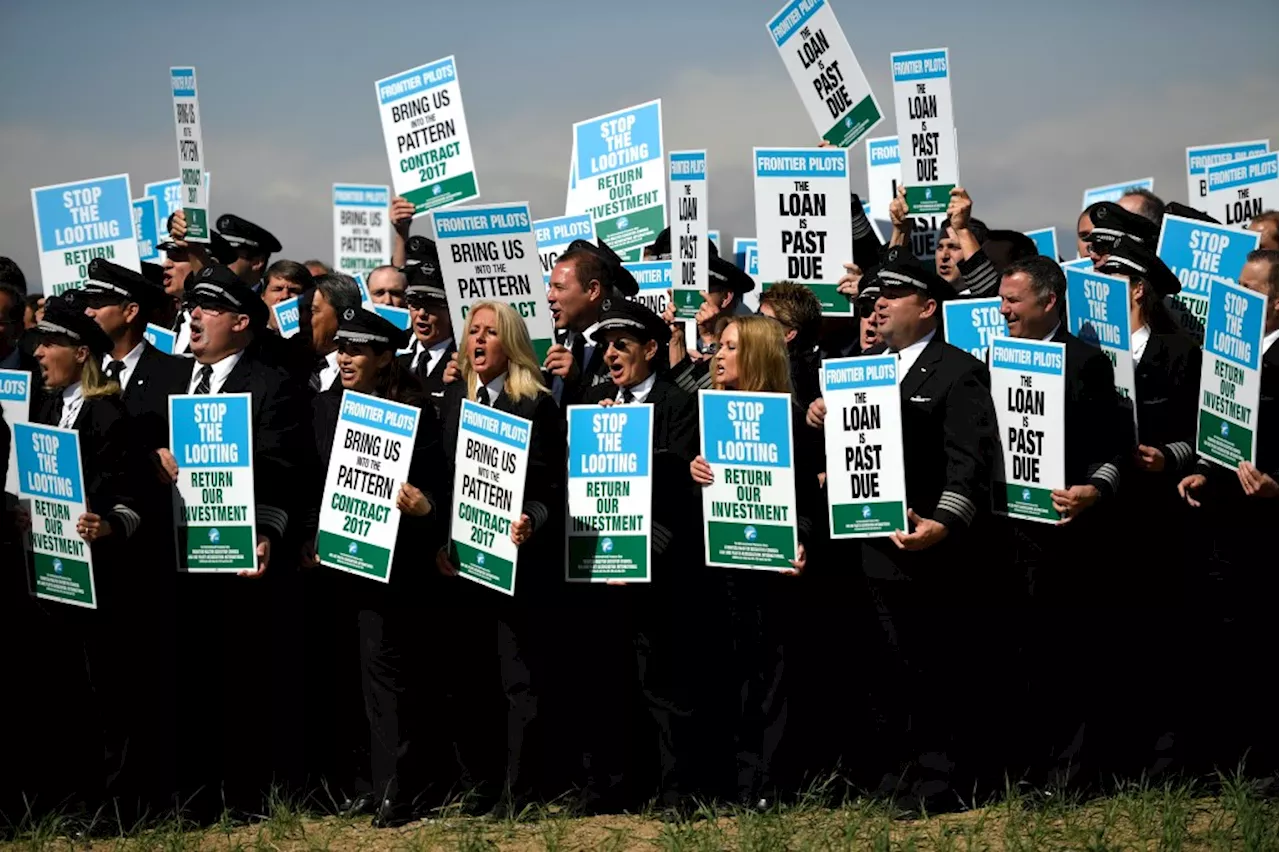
(968, 651)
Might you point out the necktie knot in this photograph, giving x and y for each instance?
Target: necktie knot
(205, 385)
(114, 369)
(482, 395)
(627, 395)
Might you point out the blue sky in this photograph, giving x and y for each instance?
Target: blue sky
(1049, 97)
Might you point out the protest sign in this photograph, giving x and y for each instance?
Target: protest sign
(802, 220)
(168, 196)
(827, 75)
(491, 460)
(1046, 240)
(399, 317)
(610, 493)
(1098, 313)
(621, 177)
(15, 406)
(556, 234)
(372, 451)
(425, 130)
(884, 171)
(146, 228)
(489, 253)
(1243, 188)
(1028, 386)
(1200, 253)
(1231, 375)
(714, 236)
(161, 338)
(194, 197)
(51, 477)
(288, 320)
(746, 256)
(654, 280)
(1078, 263)
(971, 324)
(1114, 191)
(211, 441)
(78, 221)
(749, 511)
(926, 128)
(361, 228)
(1200, 157)
(690, 257)
(866, 478)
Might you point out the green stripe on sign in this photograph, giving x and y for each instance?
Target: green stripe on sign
(750, 545)
(197, 223)
(834, 304)
(867, 518)
(63, 579)
(929, 199)
(616, 557)
(448, 191)
(1224, 441)
(1024, 501)
(687, 302)
(491, 570)
(629, 233)
(225, 548)
(855, 125)
(359, 557)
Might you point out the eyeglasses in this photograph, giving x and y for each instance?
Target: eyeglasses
(622, 344)
(866, 307)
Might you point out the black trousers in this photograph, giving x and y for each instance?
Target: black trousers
(391, 670)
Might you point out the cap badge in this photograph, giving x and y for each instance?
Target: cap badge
(349, 314)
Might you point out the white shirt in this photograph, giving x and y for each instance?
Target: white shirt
(640, 390)
(1269, 341)
(433, 354)
(907, 355)
(221, 370)
(183, 340)
(72, 401)
(1051, 334)
(329, 374)
(1138, 342)
(130, 361)
(588, 344)
(494, 388)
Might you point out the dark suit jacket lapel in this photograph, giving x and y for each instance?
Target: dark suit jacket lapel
(138, 377)
(921, 368)
(238, 379)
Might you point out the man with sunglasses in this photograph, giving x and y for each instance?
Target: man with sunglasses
(433, 343)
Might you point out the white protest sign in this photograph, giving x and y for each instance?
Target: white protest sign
(620, 177)
(491, 461)
(195, 201)
(15, 405)
(1098, 314)
(884, 171)
(1200, 157)
(78, 221)
(610, 490)
(1046, 240)
(51, 477)
(1028, 387)
(1114, 191)
(714, 236)
(489, 253)
(971, 324)
(161, 338)
(1231, 376)
(555, 235)
(361, 228)
(425, 131)
(926, 128)
(802, 220)
(399, 317)
(866, 476)
(370, 459)
(1242, 189)
(746, 256)
(168, 196)
(288, 318)
(1200, 253)
(827, 75)
(749, 510)
(211, 439)
(690, 257)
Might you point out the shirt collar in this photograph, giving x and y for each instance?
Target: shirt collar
(332, 359)
(587, 332)
(223, 368)
(440, 346)
(640, 390)
(916, 348)
(494, 387)
(1053, 333)
(1270, 340)
(1138, 341)
(131, 360)
(71, 393)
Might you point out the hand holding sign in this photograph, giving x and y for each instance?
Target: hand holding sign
(1256, 483)
(959, 209)
(412, 501)
(1072, 501)
(401, 215)
(521, 530)
(927, 533)
(168, 465)
(700, 470)
(898, 218)
(560, 362)
(1149, 459)
(263, 553)
(797, 564)
(816, 416)
(91, 527)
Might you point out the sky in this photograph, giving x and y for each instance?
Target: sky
(1050, 98)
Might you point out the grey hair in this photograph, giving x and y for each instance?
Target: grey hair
(340, 291)
(1151, 206)
(1046, 277)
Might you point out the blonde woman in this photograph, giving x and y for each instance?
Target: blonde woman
(496, 367)
(752, 358)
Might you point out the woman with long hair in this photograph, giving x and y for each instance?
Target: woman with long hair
(752, 358)
(79, 396)
(391, 640)
(497, 368)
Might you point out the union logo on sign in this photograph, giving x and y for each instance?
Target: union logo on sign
(479, 558)
(435, 190)
(848, 122)
(749, 533)
(352, 548)
(214, 535)
(57, 566)
(1226, 428)
(606, 546)
(623, 222)
(866, 511)
(928, 193)
(1026, 495)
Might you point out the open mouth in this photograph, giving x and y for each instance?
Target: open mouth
(347, 373)
(615, 368)
(478, 355)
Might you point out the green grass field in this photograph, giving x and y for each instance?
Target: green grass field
(1232, 815)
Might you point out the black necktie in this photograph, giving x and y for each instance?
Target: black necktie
(579, 349)
(424, 366)
(114, 369)
(628, 396)
(206, 380)
(178, 322)
(55, 410)
(482, 395)
(321, 364)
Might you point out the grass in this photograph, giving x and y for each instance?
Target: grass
(1232, 814)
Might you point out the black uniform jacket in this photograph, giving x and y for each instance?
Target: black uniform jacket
(595, 373)
(1167, 382)
(540, 570)
(433, 382)
(1095, 431)
(146, 396)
